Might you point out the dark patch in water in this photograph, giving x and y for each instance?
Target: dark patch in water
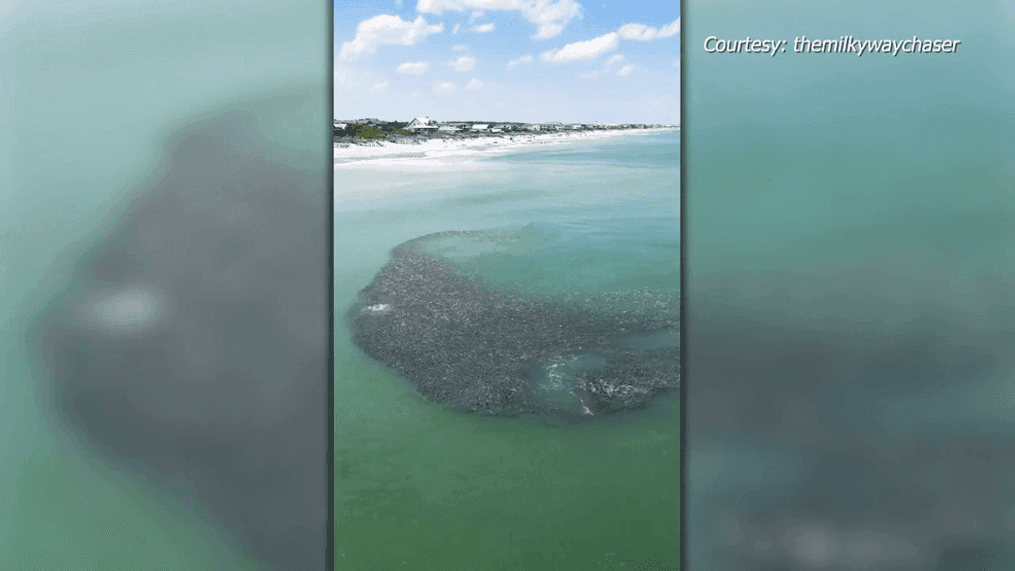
(463, 343)
(881, 478)
(192, 346)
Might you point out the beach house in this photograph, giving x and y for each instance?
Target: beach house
(421, 125)
(338, 128)
(480, 127)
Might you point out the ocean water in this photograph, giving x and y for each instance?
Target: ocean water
(850, 291)
(91, 94)
(420, 485)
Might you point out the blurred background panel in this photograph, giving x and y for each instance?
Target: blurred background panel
(851, 290)
(163, 253)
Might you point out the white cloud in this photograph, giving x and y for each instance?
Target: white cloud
(343, 74)
(413, 68)
(446, 87)
(460, 48)
(387, 30)
(457, 27)
(476, 14)
(484, 28)
(379, 86)
(464, 63)
(398, 3)
(549, 16)
(626, 70)
(474, 84)
(613, 61)
(582, 50)
(643, 33)
(547, 31)
(590, 75)
(523, 59)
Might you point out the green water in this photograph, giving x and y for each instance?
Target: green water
(858, 198)
(89, 92)
(419, 486)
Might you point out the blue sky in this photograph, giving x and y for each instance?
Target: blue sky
(508, 60)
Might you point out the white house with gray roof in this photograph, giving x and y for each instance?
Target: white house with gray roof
(421, 124)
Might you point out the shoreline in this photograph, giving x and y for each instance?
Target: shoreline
(420, 147)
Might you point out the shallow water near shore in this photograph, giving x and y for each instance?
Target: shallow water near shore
(417, 481)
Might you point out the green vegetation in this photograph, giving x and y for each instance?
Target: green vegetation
(382, 131)
(366, 132)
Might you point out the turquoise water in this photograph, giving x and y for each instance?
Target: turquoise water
(89, 92)
(421, 486)
(850, 241)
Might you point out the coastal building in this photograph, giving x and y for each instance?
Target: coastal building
(421, 125)
(533, 127)
(480, 127)
(496, 130)
(341, 125)
(448, 129)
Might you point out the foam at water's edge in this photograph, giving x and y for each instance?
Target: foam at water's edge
(427, 151)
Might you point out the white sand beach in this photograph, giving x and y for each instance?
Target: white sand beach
(386, 154)
(389, 171)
